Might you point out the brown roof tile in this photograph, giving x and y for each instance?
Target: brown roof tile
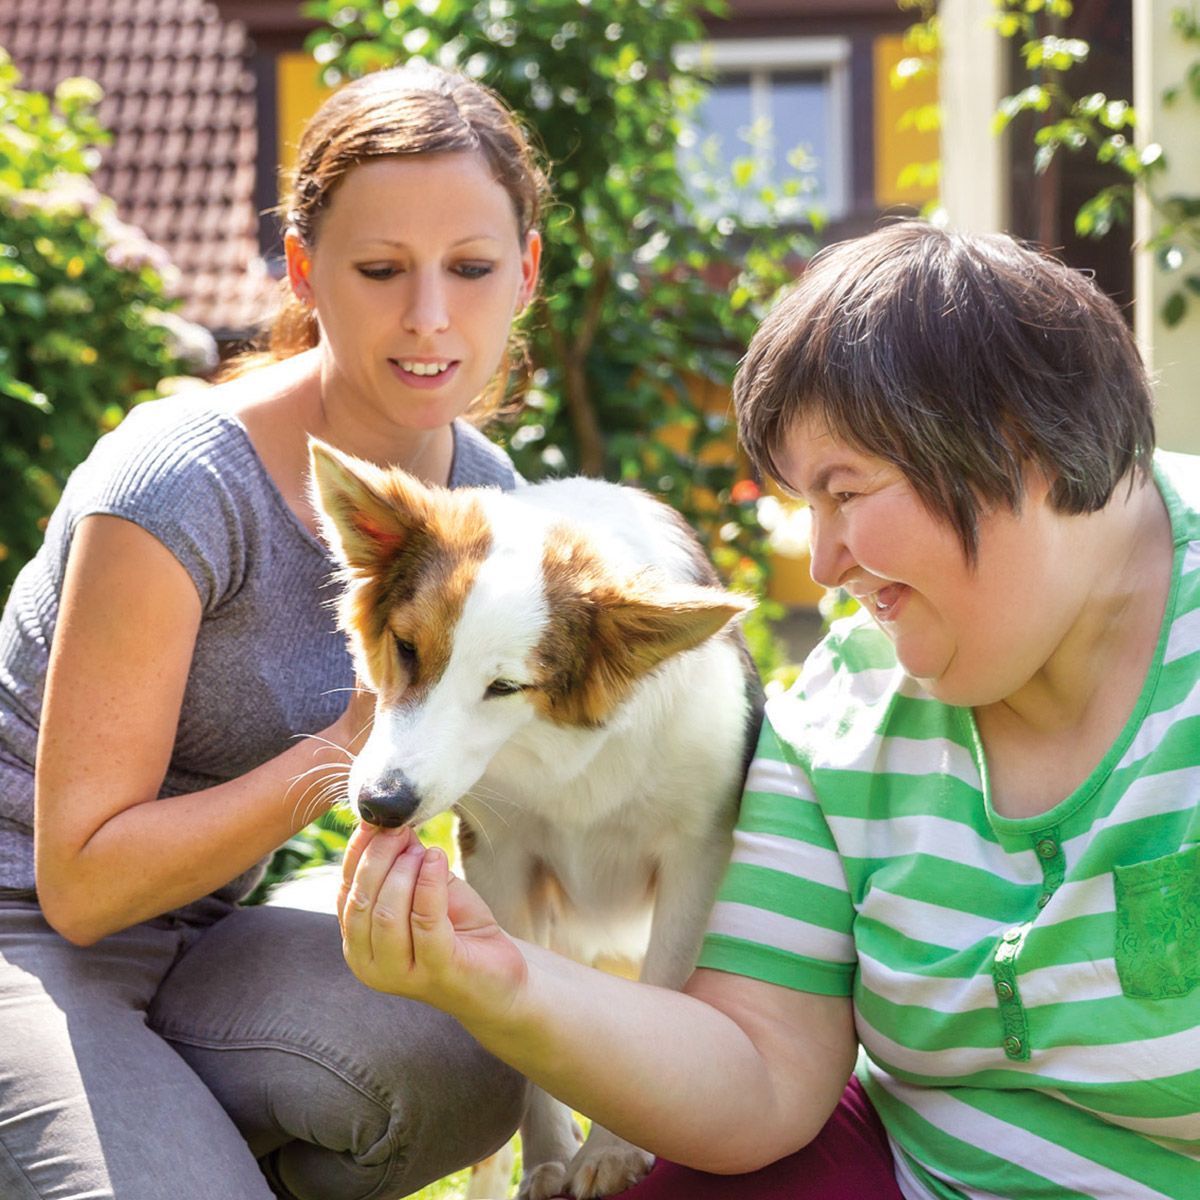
(180, 102)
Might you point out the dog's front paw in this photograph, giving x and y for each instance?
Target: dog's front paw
(606, 1164)
(543, 1182)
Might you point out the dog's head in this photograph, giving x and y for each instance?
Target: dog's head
(472, 615)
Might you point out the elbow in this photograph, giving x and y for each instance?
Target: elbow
(733, 1155)
(68, 904)
(74, 926)
(73, 915)
(78, 935)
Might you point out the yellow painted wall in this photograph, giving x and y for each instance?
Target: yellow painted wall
(298, 94)
(897, 148)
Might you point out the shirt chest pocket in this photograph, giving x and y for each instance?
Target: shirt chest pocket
(1158, 925)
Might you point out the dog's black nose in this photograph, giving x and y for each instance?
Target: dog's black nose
(388, 801)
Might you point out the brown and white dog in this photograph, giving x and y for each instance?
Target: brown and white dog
(557, 665)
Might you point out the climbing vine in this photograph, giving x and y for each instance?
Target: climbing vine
(1103, 127)
(1090, 123)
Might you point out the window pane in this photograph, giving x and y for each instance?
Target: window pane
(727, 114)
(765, 119)
(800, 117)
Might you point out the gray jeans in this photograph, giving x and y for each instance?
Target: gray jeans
(227, 1055)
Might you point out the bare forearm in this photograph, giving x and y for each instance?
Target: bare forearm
(726, 1076)
(664, 1069)
(154, 856)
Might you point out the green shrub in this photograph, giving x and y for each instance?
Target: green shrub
(85, 330)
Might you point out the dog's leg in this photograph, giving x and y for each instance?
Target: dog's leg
(491, 1179)
(523, 901)
(550, 1139)
(687, 883)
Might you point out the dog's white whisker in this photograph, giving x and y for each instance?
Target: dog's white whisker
(338, 769)
(318, 740)
(483, 792)
(325, 786)
(491, 807)
(319, 773)
(487, 837)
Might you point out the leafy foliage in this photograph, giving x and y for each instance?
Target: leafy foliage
(83, 331)
(922, 46)
(1104, 127)
(651, 286)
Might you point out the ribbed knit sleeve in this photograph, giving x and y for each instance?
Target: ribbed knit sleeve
(184, 482)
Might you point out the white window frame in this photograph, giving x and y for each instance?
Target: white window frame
(760, 58)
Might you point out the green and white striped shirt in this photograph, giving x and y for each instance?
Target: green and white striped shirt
(1027, 992)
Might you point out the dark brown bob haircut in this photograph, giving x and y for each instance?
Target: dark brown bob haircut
(962, 360)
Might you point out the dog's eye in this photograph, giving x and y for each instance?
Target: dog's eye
(407, 652)
(502, 687)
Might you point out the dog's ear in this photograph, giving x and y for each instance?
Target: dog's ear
(634, 633)
(366, 514)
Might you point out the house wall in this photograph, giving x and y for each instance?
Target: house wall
(1161, 60)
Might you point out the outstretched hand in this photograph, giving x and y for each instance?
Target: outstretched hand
(412, 928)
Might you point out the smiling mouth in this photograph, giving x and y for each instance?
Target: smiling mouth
(883, 602)
(425, 369)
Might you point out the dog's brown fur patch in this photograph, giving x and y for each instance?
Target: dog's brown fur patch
(423, 586)
(411, 553)
(605, 634)
(468, 837)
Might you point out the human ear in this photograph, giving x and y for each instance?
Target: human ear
(299, 266)
(531, 261)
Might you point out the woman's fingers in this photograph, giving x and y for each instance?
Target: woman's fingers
(363, 880)
(430, 903)
(353, 852)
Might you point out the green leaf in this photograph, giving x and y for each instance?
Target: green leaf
(18, 389)
(1117, 114)
(1152, 156)
(1043, 157)
(16, 275)
(743, 171)
(1174, 309)
(1169, 257)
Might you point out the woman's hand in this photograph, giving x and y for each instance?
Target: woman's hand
(412, 928)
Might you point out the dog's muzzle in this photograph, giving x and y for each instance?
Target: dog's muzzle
(388, 802)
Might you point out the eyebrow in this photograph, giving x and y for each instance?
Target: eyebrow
(463, 241)
(821, 481)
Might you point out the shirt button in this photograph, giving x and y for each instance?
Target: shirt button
(1012, 1046)
(1044, 899)
(1004, 989)
(1011, 936)
(1047, 848)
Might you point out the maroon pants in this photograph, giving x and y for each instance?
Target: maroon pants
(848, 1160)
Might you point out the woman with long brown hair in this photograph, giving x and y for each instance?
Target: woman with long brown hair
(175, 702)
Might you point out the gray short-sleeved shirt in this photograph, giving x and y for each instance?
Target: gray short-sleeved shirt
(269, 663)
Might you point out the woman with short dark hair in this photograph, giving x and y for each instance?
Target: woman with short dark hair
(969, 844)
